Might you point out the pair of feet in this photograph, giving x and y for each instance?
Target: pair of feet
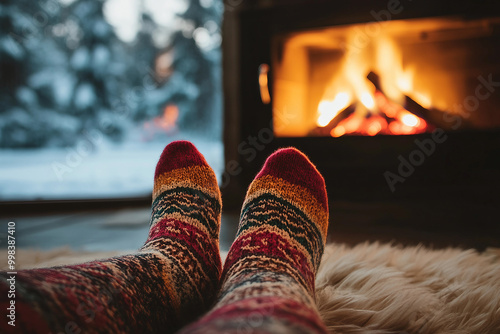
(265, 286)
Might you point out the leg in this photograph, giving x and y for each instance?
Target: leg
(268, 277)
(172, 280)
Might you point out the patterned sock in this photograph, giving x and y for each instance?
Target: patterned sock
(171, 281)
(268, 277)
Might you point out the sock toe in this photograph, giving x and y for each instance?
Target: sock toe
(179, 154)
(294, 167)
(288, 199)
(182, 165)
(289, 175)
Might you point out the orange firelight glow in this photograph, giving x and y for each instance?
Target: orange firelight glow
(329, 109)
(376, 112)
(166, 123)
(402, 77)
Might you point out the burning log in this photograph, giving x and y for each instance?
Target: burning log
(415, 108)
(375, 80)
(401, 121)
(409, 104)
(321, 131)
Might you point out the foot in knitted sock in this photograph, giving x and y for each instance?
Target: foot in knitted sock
(268, 277)
(172, 280)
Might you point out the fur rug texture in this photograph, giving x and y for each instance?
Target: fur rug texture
(381, 288)
(374, 289)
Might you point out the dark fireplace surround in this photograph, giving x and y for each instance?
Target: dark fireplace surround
(460, 168)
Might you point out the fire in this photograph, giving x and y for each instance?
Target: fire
(329, 109)
(405, 81)
(405, 76)
(378, 102)
(376, 125)
(166, 123)
(338, 131)
(410, 120)
(367, 100)
(356, 124)
(169, 118)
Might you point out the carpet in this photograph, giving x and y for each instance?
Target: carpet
(380, 288)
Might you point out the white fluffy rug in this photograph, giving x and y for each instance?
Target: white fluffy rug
(375, 289)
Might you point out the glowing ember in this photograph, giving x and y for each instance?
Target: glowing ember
(374, 129)
(376, 124)
(410, 120)
(338, 131)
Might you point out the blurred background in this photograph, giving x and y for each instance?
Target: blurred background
(92, 90)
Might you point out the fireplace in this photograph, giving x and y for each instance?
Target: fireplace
(394, 101)
(397, 77)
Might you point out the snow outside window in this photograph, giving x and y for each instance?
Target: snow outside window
(92, 90)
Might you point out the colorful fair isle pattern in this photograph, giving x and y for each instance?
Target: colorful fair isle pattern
(268, 277)
(171, 281)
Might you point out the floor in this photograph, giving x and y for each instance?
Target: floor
(351, 223)
(94, 231)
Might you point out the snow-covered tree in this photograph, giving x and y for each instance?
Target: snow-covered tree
(99, 65)
(64, 71)
(195, 84)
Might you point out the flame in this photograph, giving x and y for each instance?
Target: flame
(311, 67)
(396, 80)
(167, 122)
(378, 109)
(404, 81)
(367, 100)
(329, 109)
(422, 99)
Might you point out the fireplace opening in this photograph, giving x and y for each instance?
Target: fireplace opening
(401, 77)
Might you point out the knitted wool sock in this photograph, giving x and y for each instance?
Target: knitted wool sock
(268, 276)
(172, 280)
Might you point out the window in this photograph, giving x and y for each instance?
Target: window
(92, 90)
